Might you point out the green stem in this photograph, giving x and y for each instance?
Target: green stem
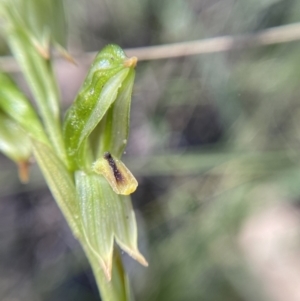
(117, 289)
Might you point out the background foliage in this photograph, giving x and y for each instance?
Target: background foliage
(214, 144)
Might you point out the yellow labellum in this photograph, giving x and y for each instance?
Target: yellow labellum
(116, 173)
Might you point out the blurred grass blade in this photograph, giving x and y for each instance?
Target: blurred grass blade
(39, 75)
(101, 87)
(116, 124)
(105, 216)
(35, 68)
(15, 104)
(44, 20)
(60, 183)
(13, 141)
(15, 144)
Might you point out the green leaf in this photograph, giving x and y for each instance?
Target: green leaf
(105, 216)
(107, 74)
(60, 183)
(13, 141)
(115, 127)
(15, 144)
(39, 75)
(44, 20)
(15, 105)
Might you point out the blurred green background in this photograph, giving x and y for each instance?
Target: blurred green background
(214, 145)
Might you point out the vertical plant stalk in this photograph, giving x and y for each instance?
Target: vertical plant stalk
(97, 209)
(117, 289)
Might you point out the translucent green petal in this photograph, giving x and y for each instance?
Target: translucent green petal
(105, 215)
(97, 225)
(115, 128)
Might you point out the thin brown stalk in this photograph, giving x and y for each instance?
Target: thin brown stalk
(275, 35)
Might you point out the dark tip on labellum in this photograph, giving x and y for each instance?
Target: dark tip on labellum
(118, 176)
(107, 156)
(116, 173)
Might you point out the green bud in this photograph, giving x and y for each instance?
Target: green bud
(100, 89)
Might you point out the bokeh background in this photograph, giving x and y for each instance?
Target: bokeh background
(214, 145)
